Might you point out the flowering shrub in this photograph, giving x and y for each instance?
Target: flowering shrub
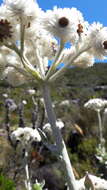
(29, 39)
(31, 34)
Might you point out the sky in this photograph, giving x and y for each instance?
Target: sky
(93, 10)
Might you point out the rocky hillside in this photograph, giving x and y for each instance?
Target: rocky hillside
(80, 131)
(85, 83)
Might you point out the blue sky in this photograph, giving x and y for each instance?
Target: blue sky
(93, 10)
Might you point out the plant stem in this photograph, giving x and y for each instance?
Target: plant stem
(27, 181)
(55, 63)
(61, 71)
(62, 152)
(100, 126)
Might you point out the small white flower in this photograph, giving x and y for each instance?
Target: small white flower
(62, 23)
(48, 130)
(25, 135)
(31, 91)
(96, 104)
(47, 126)
(59, 123)
(5, 95)
(65, 103)
(24, 102)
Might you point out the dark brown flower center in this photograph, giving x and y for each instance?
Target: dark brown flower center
(5, 30)
(105, 44)
(63, 22)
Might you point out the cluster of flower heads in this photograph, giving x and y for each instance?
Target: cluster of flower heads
(32, 35)
(25, 136)
(96, 104)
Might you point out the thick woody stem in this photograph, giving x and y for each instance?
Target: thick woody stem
(62, 152)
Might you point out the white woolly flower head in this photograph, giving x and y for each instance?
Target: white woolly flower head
(84, 60)
(62, 23)
(93, 29)
(96, 104)
(27, 10)
(98, 40)
(25, 135)
(9, 33)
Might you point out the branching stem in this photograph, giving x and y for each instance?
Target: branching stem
(62, 152)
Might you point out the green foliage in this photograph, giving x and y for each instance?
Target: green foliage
(6, 184)
(38, 186)
(101, 154)
(84, 159)
(87, 147)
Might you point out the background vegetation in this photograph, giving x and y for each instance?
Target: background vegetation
(80, 131)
